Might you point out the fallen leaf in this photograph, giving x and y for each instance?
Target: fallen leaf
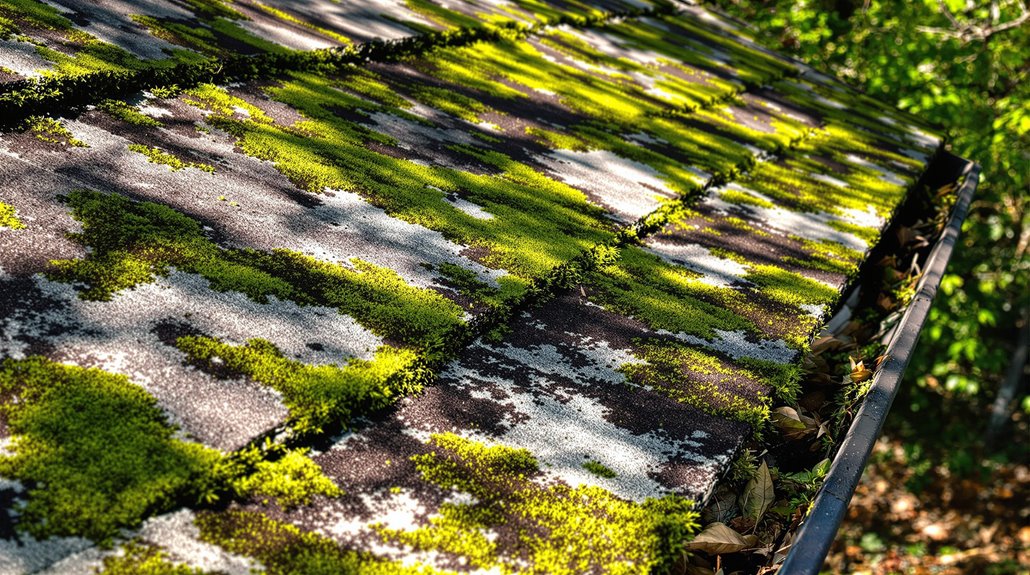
(859, 372)
(718, 539)
(758, 494)
(785, 418)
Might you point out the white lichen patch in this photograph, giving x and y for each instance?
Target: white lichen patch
(628, 189)
(179, 537)
(736, 345)
(120, 337)
(30, 555)
(830, 180)
(564, 429)
(714, 270)
(472, 209)
(22, 58)
(807, 225)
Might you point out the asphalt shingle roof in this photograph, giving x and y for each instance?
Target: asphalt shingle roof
(499, 305)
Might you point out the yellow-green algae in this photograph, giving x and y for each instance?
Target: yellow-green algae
(9, 217)
(283, 549)
(158, 156)
(316, 395)
(94, 451)
(561, 530)
(53, 131)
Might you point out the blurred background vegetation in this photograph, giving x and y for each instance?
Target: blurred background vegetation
(942, 495)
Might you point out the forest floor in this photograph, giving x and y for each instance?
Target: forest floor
(911, 516)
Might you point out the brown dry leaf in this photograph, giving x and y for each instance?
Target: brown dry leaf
(718, 539)
(859, 373)
(758, 494)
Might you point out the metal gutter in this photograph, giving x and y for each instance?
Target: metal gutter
(816, 534)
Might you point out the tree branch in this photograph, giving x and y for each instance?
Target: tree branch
(976, 31)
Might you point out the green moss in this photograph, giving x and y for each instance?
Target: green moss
(32, 13)
(9, 217)
(283, 549)
(828, 256)
(134, 242)
(94, 450)
(790, 288)
(701, 380)
(743, 198)
(557, 140)
(316, 395)
(869, 235)
(53, 131)
(451, 102)
(291, 480)
(217, 100)
(144, 559)
(157, 156)
(559, 529)
(665, 296)
(128, 113)
(90, 55)
(599, 469)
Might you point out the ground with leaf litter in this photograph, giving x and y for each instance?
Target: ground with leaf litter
(464, 287)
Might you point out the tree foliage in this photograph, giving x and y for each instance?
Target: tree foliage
(964, 65)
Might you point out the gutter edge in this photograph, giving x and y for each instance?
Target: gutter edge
(813, 540)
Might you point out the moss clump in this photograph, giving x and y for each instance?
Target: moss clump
(134, 242)
(95, 451)
(9, 217)
(283, 549)
(665, 296)
(291, 480)
(128, 113)
(559, 529)
(315, 394)
(144, 559)
(157, 156)
(53, 131)
(599, 469)
(702, 380)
